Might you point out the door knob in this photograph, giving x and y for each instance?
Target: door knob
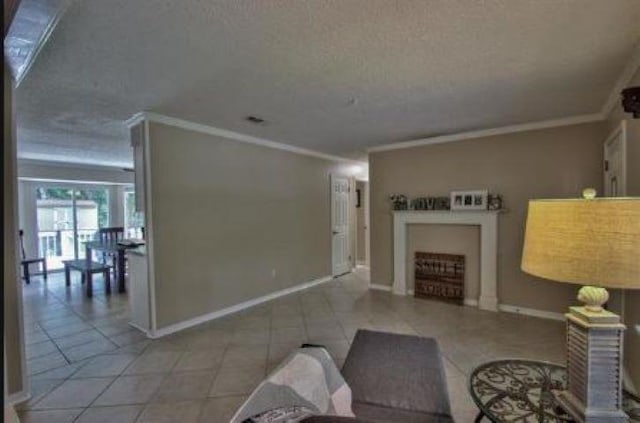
(336, 232)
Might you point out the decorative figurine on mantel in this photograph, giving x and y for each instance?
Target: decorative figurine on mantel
(399, 201)
(495, 202)
(443, 203)
(422, 203)
(430, 203)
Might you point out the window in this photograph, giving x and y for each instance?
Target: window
(133, 220)
(68, 216)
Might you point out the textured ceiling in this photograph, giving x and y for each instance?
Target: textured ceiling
(333, 76)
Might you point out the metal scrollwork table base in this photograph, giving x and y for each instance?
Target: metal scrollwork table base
(523, 391)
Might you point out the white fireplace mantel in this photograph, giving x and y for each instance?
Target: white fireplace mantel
(488, 222)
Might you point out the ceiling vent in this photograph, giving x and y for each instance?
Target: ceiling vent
(256, 120)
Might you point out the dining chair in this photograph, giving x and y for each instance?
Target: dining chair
(113, 234)
(25, 262)
(109, 235)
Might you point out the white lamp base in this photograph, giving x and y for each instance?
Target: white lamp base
(594, 376)
(583, 314)
(583, 415)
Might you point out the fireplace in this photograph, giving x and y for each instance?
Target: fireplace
(439, 276)
(488, 222)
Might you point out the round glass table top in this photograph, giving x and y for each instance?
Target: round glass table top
(523, 391)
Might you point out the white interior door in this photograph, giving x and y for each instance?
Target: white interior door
(615, 163)
(367, 225)
(340, 225)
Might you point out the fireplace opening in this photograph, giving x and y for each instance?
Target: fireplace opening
(439, 276)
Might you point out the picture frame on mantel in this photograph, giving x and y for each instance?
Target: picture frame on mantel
(469, 200)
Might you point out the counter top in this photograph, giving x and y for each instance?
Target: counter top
(138, 251)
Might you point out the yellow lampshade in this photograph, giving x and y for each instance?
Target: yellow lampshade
(584, 241)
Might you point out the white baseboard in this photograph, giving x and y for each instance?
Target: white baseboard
(18, 397)
(233, 309)
(532, 312)
(467, 301)
(379, 287)
(502, 307)
(141, 329)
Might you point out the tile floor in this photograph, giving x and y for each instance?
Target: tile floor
(87, 365)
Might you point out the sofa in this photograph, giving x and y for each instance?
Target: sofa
(394, 378)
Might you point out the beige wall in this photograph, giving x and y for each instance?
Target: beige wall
(13, 339)
(226, 214)
(557, 162)
(632, 298)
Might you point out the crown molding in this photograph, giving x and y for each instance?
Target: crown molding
(632, 66)
(545, 124)
(232, 135)
(135, 119)
(630, 69)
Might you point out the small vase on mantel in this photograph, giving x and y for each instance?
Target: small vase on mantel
(399, 202)
(494, 202)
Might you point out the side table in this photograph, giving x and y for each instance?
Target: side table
(523, 391)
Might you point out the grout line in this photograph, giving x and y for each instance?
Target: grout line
(28, 408)
(32, 408)
(450, 360)
(80, 363)
(84, 319)
(216, 372)
(39, 355)
(62, 380)
(57, 347)
(121, 374)
(99, 395)
(110, 406)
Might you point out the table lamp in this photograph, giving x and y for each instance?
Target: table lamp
(595, 242)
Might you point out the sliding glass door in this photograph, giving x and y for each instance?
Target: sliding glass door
(133, 220)
(92, 213)
(54, 207)
(67, 216)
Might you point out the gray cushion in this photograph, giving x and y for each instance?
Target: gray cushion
(391, 371)
(378, 414)
(388, 415)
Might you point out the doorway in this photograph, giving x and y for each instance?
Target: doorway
(66, 217)
(340, 216)
(362, 223)
(615, 148)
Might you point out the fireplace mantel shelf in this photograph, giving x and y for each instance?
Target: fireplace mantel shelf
(451, 211)
(488, 222)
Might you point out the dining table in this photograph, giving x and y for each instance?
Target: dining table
(117, 248)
